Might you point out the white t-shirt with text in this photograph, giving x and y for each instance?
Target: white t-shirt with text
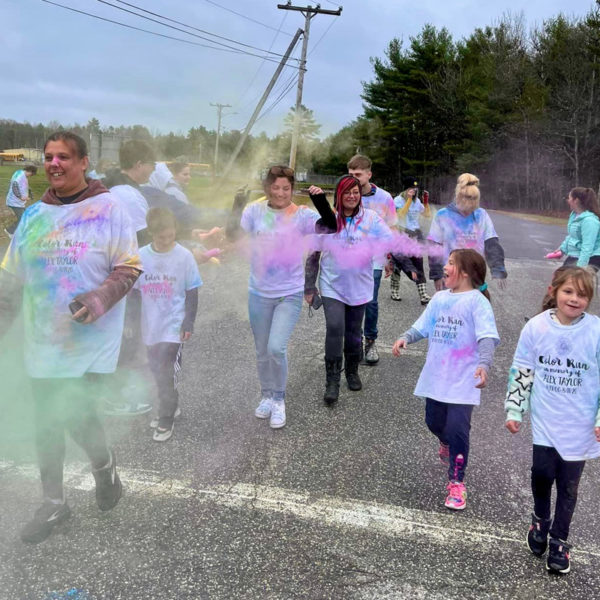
(454, 323)
(166, 278)
(566, 384)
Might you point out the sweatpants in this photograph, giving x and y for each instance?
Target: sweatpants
(66, 405)
(451, 424)
(343, 328)
(548, 467)
(164, 360)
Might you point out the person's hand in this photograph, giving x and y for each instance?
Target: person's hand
(514, 426)
(309, 298)
(388, 269)
(482, 375)
(398, 345)
(82, 316)
(414, 275)
(439, 284)
(313, 190)
(425, 197)
(500, 283)
(597, 432)
(554, 254)
(185, 336)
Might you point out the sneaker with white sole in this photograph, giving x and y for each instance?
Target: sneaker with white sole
(371, 354)
(126, 409)
(46, 517)
(163, 433)
(263, 410)
(154, 422)
(277, 414)
(457, 495)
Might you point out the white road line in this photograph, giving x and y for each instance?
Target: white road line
(385, 519)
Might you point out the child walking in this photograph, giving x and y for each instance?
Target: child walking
(555, 373)
(460, 326)
(169, 297)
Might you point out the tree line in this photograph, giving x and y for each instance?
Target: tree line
(521, 109)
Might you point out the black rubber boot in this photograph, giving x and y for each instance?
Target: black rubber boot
(333, 369)
(351, 369)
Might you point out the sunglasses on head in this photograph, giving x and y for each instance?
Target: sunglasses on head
(281, 171)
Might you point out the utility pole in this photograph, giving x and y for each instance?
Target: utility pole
(220, 108)
(261, 102)
(309, 12)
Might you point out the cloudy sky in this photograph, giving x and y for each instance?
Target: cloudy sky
(66, 66)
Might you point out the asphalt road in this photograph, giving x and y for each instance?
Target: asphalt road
(343, 503)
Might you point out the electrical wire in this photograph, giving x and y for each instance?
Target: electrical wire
(246, 17)
(162, 35)
(283, 94)
(184, 24)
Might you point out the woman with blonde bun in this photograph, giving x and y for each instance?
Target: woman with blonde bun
(463, 224)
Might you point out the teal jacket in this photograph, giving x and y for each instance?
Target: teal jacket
(582, 239)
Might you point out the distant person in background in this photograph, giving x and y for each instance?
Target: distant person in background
(101, 169)
(136, 161)
(463, 224)
(180, 181)
(18, 194)
(581, 247)
(70, 264)
(377, 199)
(409, 208)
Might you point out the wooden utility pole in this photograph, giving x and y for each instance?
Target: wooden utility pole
(261, 102)
(220, 108)
(309, 12)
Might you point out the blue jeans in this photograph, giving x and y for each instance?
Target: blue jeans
(372, 310)
(272, 321)
(451, 424)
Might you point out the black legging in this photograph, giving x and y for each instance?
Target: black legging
(343, 327)
(66, 404)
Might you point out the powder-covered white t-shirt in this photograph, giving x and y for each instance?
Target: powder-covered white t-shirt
(166, 278)
(59, 252)
(347, 258)
(454, 323)
(383, 204)
(566, 384)
(18, 179)
(134, 203)
(278, 246)
(411, 219)
(455, 231)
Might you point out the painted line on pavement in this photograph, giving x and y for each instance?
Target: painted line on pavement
(384, 519)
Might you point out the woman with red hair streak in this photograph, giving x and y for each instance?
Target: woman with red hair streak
(346, 279)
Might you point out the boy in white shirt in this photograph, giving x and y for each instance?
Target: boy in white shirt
(169, 298)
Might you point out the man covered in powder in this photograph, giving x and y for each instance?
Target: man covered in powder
(380, 201)
(74, 252)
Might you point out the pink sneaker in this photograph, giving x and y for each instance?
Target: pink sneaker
(457, 495)
(444, 454)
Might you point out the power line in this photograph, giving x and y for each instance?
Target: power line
(263, 62)
(290, 86)
(184, 24)
(162, 35)
(246, 17)
(331, 24)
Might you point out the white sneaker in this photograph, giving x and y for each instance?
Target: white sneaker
(263, 410)
(154, 422)
(277, 414)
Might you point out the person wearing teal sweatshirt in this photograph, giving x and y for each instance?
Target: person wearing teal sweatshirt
(581, 247)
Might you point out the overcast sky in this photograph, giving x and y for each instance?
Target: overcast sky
(59, 65)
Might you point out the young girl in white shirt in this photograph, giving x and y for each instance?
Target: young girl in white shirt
(555, 372)
(459, 324)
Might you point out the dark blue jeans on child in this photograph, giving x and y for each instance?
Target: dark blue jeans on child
(451, 424)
